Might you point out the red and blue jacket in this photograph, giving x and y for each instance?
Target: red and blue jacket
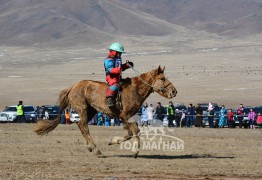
(113, 68)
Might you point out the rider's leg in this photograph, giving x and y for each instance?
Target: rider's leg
(111, 94)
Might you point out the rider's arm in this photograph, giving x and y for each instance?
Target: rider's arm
(109, 66)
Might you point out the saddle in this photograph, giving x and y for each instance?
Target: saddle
(121, 85)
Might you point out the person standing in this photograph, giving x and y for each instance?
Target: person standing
(222, 117)
(183, 117)
(210, 115)
(251, 118)
(20, 112)
(230, 118)
(150, 114)
(259, 120)
(67, 116)
(107, 120)
(160, 112)
(240, 115)
(170, 114)
(199, 115)
(116, 121)
(46, 114)
(190, 114)
(100, 119)
(144, 119)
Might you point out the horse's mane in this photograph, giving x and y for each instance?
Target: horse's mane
(127, 81)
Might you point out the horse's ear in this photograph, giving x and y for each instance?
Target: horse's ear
(160, 70)
(163, 69)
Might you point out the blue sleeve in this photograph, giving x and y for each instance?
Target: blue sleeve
(109, 64)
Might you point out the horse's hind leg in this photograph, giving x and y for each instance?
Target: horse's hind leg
(85, 115)
(135, 130)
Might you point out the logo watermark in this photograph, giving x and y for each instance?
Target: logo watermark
(156, 138)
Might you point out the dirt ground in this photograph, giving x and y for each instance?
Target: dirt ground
(62, 154)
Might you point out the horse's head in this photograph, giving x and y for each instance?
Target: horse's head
(162, 85)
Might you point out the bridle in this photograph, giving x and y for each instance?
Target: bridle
(162, 89)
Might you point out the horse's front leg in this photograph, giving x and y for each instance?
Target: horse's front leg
(132, 130)
(118, 140)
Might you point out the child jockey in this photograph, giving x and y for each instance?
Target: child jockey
(113, 68)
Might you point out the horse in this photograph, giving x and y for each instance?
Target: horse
(88, 97)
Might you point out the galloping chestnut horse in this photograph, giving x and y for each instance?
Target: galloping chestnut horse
(89, 97)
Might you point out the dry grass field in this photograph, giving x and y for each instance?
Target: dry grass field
(208, 154)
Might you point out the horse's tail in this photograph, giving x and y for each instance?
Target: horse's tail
(44, 126)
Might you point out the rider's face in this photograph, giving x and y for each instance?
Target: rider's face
(118, 54)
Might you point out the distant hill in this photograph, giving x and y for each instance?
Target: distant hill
(87, 22)
(232, 18)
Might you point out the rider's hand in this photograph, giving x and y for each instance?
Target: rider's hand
(129, 63)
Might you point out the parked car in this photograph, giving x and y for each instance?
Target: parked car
(10, 114)
(30, 113)
(53, 111)
(180, 108)
(258, 109)
(74, 117)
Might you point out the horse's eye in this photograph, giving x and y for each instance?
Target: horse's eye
(163, 79)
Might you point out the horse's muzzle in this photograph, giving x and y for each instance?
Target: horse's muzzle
(174, 92)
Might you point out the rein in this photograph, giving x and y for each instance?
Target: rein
(146, 83)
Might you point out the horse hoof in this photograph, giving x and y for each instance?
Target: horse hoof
(110, 142)
(90, 149)
(97, 152)
(135, 155)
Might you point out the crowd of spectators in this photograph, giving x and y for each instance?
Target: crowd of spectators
(194, 116)
(173, 116)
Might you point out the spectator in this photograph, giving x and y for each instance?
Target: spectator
(144, 119)
(210, 106)
(46, 115)
(222, 117)
(230, 118)
(259, 120)
(251, 118)
(100, 119)
(210, 115)
(199, 115)
(170, 114)
(190, 114)
(107, 120)
(240, 115)
(67, 116)
(177, 117)
(160, 112)
(116, 121)
(150, 113)
(20, 112)
(183, 117)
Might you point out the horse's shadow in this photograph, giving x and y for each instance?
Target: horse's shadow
(189, 156)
